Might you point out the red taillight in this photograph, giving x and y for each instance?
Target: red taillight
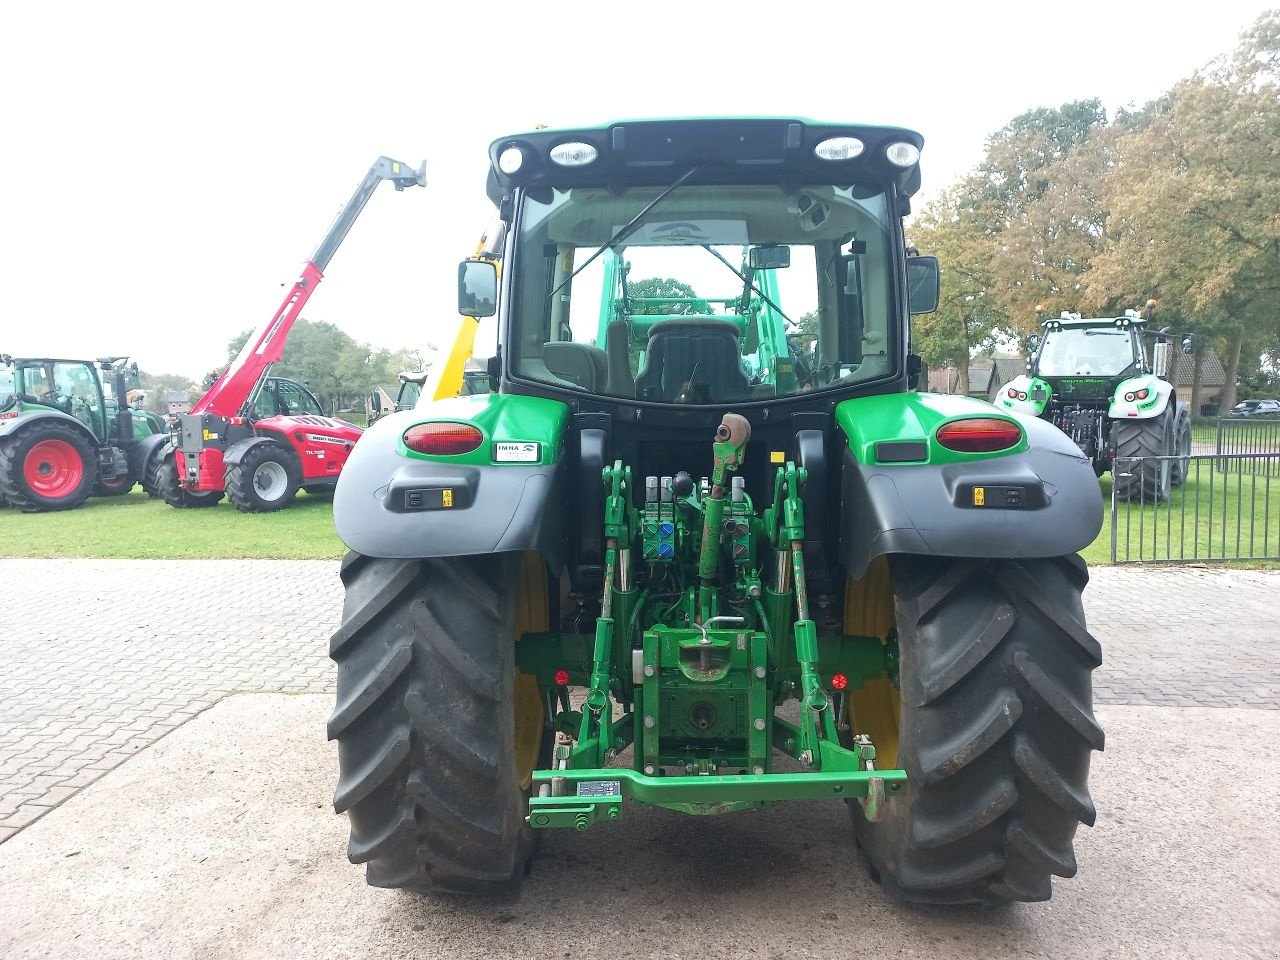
(562, 678)
(1022, 396)
(1143, 393)
(1128, 398)
(979, 435)
(839, 681)
(443, 439)
(1013, 394)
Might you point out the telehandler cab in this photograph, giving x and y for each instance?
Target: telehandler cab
(703, 548)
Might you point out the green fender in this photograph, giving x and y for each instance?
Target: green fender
(903, 492)
(504, 495)
(1158, 395)
(28, 415)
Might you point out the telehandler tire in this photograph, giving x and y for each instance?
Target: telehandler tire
(266, 480)
(1147, 479)
(438, 733)
(995, 730)
(166, 484)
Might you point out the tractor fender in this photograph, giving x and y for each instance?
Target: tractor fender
(1156, 402)
(12, 425)
(140, 452)
(235, 453)
(390, 504)
(1042, 500)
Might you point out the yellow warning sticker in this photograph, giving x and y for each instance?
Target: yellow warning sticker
(979, 496)
(777, 456)
(210, 435)
(446, 498)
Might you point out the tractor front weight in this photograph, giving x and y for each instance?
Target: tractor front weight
(703, 631)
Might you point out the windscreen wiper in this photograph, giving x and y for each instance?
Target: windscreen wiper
(626, 229)
(747, 282)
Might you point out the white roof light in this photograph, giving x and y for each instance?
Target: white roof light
(839, 148)
(573, 154)
(902, 154)
(510, 160)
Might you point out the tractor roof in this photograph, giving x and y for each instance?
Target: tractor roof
(734, 149)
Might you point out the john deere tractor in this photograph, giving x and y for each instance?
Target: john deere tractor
(62, 436)
(702, 548)
(1104, 382)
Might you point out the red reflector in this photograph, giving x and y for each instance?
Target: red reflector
(443, 439)
(1128, 398)
(562, 678)
(979, 435)
(839, 681)
(1022, 396)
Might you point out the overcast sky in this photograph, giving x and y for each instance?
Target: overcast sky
(167, 166)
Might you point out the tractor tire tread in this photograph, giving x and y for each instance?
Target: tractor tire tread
(426, 680)
(238, 479)
(996, 743)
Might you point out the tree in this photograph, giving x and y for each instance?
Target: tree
(338, 369)
(653, 287)
(1194, 202)
(157, 387)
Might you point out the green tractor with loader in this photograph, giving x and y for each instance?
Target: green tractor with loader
(690, 554)
(67, 431)
(1104, 382)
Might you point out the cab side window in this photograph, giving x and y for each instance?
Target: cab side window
(294, 401)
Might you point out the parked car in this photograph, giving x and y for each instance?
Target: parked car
(1256, 408)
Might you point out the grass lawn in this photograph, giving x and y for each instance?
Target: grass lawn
(1215, 515)
(137, 526)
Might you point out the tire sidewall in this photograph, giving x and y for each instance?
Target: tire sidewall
(241, 478)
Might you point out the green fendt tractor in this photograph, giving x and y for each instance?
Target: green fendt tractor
(702, 548)
(62, 436)
(1096, 380)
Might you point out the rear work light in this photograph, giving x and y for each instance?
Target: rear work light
(979, 435)
(573, 154)
(443, 439)
(839, 148)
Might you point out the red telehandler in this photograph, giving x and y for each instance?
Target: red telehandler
(258, 438)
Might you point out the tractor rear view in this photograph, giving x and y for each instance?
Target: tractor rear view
(1095, 380)
(690, 555)
(63, 435)
(259, 439)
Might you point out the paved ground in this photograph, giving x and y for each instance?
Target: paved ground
(219, 842)
(127, 661)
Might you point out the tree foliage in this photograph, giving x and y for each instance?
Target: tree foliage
(338, 369)
(657, 287)
(1178, 200)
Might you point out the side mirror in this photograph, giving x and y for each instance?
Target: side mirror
(772, 256)
(922, 284)
(1033, 343)
(1189, 344)
(375, 402)
(477, 289)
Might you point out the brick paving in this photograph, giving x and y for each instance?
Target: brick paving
(100, 658)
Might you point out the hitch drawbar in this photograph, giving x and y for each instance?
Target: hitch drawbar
(591, 795)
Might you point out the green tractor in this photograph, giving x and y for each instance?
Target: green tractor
(1101, 383)
(702, 548)
(62, 436)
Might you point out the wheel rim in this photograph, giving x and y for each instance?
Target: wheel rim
(875, 707)
(53, 469)
(532, 614)
(270, 480)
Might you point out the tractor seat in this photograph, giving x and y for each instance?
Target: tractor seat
(677, 347)
(583, 364)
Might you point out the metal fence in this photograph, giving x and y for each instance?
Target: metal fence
(1226, 508)
(1248, 436)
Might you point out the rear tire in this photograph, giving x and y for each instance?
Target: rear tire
(1179, 468)
(115, 487)
(1146, 479)
(46, 466)
(147, 475)
(434, 765)
(995, 731)
(166, 483)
